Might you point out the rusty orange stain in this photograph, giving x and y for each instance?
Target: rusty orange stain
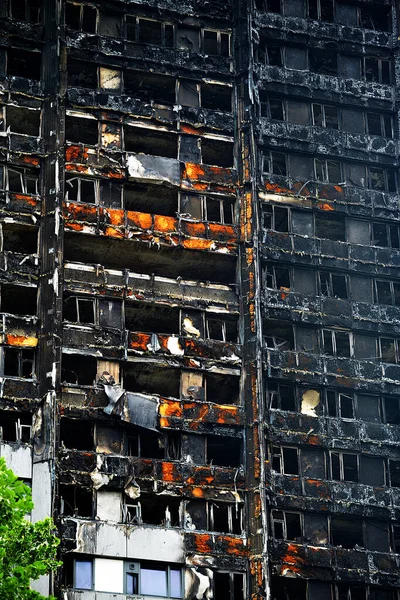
(79, 212)
(30, 160)
(194, 229)
(117, 216)
(170, 408)
(25, 198)
(198, 244)
(325, 206)
(314, 440)
(114, 174)
(112, 232)
(139, 219)
(224, 232)
(274, 187)
(139, 341)
(77, 168)
(220, 170)
(189, 129)
(21, 340)
(194, 171)
(165, 224)
(75, 226)
(75, 152)
(203, 543)
(169, 471)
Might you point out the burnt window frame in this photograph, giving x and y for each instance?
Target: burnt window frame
(263, 55)
(392, 291)
(373, 28)
(329, 291)
(230, 507)
(220, 33)
(269, 211)
(274, 520)
(387, 187)
(22, 358)
(96, 189)
(269, 275)
(274, 396)
(325, 170)
(392, 235)
(277, 453)
(263, 5)
(132, 441)
(319, 11)
(338, 404)
(226, 205)
(342, 475)
(381, 75)
(396, 346)
(84, 117)
(333, 333)
(270, 162)
(265, 108)
(136, 37)
(21, 119)
(28, 8)
(324, 108)
(383, 409)
(78, 299)
(25, 176)
(383, 127)
(218, 317)
(232, 590)
(81, 17)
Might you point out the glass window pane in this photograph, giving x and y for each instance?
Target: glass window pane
(176, 583)
(83, 574)
(153, 581)
(388, 350)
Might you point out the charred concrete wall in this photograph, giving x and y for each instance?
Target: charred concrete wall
(200, 295)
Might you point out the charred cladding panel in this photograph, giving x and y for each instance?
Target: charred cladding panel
(199, 292)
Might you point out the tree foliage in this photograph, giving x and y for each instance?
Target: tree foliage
(27, 550)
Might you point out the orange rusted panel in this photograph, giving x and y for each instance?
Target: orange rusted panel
(190, 129)
(74, 226)
(198, 244)
(117, 216)
(193, 229)
(80, 212)
(278, 189)
(169, 472)
(170, 408)
(113, 232)
(139, 219)
(325, 206)
(78, 168)
(21, 340)
(24, 198)
(165, 224)
(30, 160)
(193, 171)
(139, 341)
(73, 153)
(224, 233)
(115, 174)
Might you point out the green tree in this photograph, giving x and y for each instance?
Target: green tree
(27, 550)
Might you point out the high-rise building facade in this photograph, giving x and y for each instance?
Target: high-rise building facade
(200, 293)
